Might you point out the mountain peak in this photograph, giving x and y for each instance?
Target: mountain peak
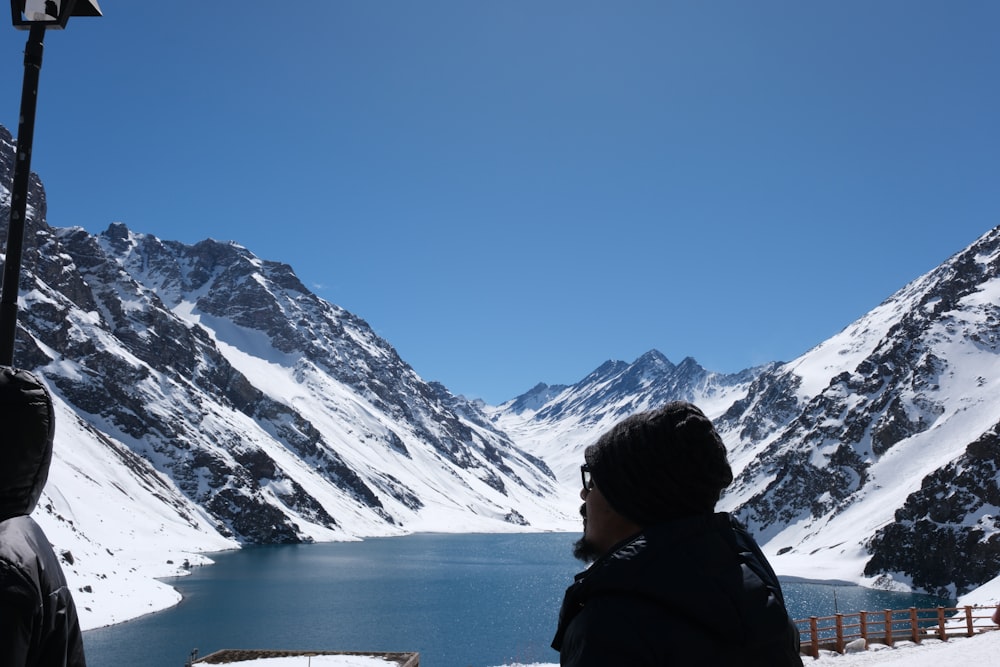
(208, 392)
(654, 357)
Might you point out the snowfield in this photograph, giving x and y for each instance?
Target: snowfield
(979, 649)
(962, 652)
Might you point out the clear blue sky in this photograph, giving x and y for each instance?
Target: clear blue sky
(514, 192)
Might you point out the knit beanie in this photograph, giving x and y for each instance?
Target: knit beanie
(660, 465)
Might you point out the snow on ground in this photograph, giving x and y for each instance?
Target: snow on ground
(114, 547)
(979, 649)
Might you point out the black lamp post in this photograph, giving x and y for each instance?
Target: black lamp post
(36, 16)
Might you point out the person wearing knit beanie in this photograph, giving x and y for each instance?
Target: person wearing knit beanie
(661, 464)
(670, 581)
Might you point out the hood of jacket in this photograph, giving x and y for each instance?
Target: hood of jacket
(27, 430)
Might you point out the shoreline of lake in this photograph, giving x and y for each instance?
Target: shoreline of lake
(458, 599)
(793, 579)
(208, 559)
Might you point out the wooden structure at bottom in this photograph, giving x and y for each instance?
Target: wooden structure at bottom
(834, 633)
(228, 656)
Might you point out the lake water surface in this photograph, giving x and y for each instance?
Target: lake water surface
(459, 600)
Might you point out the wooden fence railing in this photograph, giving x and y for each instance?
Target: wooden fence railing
(834, 633)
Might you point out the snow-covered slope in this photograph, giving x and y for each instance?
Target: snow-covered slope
(872, 458)
(207, 399)
(888, 464)
(556, 423)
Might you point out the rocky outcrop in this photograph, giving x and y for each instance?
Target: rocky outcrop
(946, 537)
(279, 414)
(878, 444)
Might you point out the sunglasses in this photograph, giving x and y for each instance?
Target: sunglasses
(586, 477)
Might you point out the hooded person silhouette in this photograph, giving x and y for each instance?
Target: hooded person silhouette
(39, 626)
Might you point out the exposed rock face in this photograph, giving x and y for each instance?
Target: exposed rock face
(280, 415)
(921, 397)
(945, 536)
(878, 444)
(232, 394)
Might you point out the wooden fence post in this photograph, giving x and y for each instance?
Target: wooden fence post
(945, 616)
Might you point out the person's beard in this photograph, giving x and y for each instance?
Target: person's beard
(583, 550)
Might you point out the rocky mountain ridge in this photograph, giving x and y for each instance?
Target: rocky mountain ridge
(873, 457)
(208, 399)
(215, 392)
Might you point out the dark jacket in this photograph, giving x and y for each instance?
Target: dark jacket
(38, 620)
(692, 591)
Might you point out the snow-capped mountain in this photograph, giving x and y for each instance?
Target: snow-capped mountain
(207, 398)
(871, 458)
(889, 452)
(557, 423)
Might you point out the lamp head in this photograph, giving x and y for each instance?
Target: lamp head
(50, 13)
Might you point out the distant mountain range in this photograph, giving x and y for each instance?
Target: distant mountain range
(206, 399)
(872, 458)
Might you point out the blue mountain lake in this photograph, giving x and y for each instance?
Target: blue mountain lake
(459, 600)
